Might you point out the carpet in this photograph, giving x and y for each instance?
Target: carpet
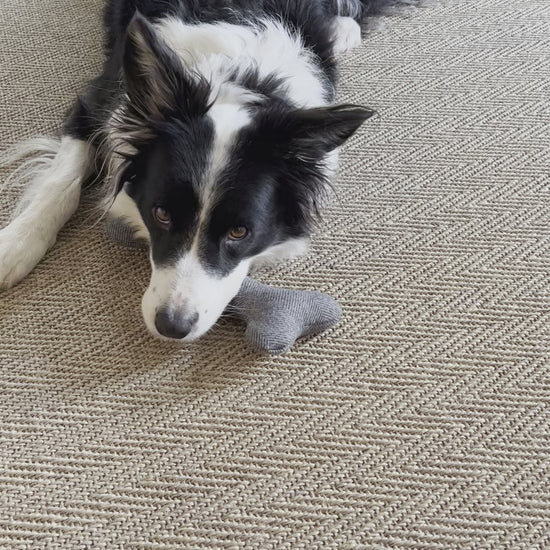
(420, 421)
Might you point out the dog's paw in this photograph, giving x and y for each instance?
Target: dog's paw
(346, 34)
(21, 249)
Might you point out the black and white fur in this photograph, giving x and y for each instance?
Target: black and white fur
(211, 118)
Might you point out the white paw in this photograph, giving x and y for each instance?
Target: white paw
(346, 34)
(21, 249)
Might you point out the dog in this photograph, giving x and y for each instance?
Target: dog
(213, 131)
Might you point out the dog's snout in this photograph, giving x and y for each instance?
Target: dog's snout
(175, 325)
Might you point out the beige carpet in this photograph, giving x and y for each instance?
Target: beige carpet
(421, 421)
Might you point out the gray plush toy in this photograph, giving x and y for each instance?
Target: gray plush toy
(275, 317)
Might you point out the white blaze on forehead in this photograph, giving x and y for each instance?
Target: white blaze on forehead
(228, 120)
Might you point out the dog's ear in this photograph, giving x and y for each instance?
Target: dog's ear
(295, 141)
(315, 132)
(156, 81)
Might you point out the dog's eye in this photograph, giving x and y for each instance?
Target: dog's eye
(161, 217)
(237, 233)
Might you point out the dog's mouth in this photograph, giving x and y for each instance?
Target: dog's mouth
(184, 309)
(176, 327)
(176, 324)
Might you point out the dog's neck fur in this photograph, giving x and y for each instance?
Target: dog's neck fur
(223, 53)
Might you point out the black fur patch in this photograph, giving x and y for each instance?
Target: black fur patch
(168, 173)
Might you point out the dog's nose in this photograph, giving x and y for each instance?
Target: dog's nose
(176, 325)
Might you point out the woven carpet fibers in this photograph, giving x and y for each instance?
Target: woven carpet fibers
(420, 421)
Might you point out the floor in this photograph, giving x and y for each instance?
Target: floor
(421, 421)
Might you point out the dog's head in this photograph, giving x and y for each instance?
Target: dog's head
(220, 177)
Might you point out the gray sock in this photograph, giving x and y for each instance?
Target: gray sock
(275, 317)
(123, 234)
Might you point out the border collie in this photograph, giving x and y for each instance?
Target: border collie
(213, 131)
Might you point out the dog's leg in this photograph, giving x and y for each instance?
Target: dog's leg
(346, 34)
(52, 197)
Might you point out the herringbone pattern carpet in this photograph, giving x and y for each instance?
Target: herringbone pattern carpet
(421, 421)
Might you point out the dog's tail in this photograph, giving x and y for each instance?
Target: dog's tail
(37, 155)
(51, 175)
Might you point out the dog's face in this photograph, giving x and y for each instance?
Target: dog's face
(219, 180)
